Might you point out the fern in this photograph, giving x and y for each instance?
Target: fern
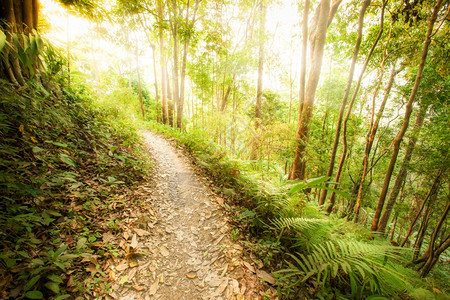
(300, 224)
(335, 258)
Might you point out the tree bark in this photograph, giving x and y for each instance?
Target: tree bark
(401, 176)
(27, 16)
(362, 12)
(317, 51)
(164, 107)
(408, 109)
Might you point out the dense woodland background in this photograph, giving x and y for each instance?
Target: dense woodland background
(336, 145)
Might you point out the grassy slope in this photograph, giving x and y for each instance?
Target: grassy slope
(66, 173)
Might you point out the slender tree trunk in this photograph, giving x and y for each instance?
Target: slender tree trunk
(393, 227)
(423, 229)
(141, 100)
(408, 109)
(401, 176)
(371, 133)
(317, 50)
(349, 111)
(155, 74)
(164, 107)
(434, 254)
(176, 88)
(434, 188)
(259, 87)
(170, 102)
(362, 12)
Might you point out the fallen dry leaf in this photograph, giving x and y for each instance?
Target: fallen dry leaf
(107, 237)
(164, 251)
(112, 275)
(249, 266)
(222, 287)
(138, 288)
(70, 281)
(153, 266)
(266, 276)
(133, 263)
(121, 267)
(141, 232)
(134, 241)
(154, 287)
(91, 268)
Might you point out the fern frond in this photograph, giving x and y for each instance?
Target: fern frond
(297, 223)
(354, 258)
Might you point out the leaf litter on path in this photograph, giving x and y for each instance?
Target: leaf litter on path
(189, 253)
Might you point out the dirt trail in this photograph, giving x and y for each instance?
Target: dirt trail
(188, 240)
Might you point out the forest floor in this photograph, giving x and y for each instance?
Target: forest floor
(180, 241)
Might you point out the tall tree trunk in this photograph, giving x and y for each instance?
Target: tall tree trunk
(362, 12)
(259, 87)
(18, 11)
(36, 8)
(155, 74)
(27, 15)
(408, 109)
(164, 107)
(141, 100)
(317, 51)
(371, 133)
(170, 104)
(174, 23)
(401, 176)
(349, 111)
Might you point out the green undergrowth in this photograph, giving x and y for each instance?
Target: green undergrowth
(66, 169)
(313, 256)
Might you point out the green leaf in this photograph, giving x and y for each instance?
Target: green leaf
(57, 143)
(62, 297)
(81, 243)
(66, 159)
(53, 286)
(38, 261)
(34, 295)
(59, 251)
(31, 283)
(36, 149)
(124, 279)
(53, 213)
(66, 257)
(55, 278)
(2, 40)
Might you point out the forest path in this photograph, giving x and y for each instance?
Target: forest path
(191, 254)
